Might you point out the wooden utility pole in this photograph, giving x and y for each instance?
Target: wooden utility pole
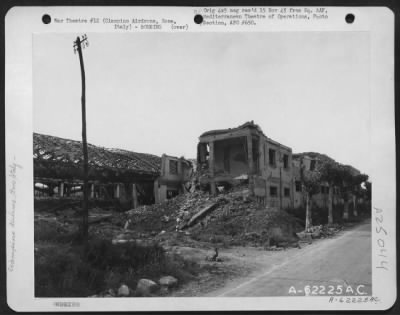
(280, 187)
(280, 178)
(80, 43)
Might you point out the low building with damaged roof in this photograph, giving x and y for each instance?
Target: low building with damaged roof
(128, 177)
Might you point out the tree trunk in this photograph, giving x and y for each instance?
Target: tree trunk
(346, 209)
(355, 212)
(330, 205)
(308, 213)
(50, 190)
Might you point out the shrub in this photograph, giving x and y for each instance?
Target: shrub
(60, 271)
(63, 270)
(231, 228)
(54, 232)
(104, 255)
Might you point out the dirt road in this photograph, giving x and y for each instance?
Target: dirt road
(338, 263)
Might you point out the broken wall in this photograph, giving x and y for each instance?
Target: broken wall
(279, 187)
(175, 172)
(230, 157)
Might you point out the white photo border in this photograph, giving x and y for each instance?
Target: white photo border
(20, 25)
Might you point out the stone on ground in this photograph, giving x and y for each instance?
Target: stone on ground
(168, 281)
(123, 290)
(145, 287)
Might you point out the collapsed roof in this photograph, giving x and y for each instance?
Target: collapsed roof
(249, 124)
(314, 155)
(61, 158)
(323, 158)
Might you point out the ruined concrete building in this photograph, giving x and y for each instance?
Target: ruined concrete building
(229, 156)
(128, 177)
(246, 154)
(225, 157)
(310, 161)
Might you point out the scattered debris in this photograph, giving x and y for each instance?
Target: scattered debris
(201, 214)
(93, 218)
(319, 231)
(126, 226)
(274, 248)
(214, 257)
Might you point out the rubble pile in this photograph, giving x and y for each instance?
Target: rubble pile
(329, 230)
(320, 231)
(242, 222)
(158, 217)
(231, 218)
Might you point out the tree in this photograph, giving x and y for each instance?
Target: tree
(331, 173)
(347, 188)
(357, 180)
(368, 190)
(311, 181)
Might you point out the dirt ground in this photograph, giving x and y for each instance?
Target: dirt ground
(248, 236)
(239, 264)
(236, 263)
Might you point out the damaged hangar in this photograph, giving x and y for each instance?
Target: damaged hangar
(128, 177)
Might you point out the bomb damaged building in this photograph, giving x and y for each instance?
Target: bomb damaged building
(338, 192)
(230, 156)
(225, 157)
(128, 178)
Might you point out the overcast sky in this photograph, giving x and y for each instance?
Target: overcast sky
(157, 92)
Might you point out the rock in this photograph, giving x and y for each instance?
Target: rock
(119, 242)
(168, 281)
(242, 177)
(316, 234)
(301, 235)
(145, 287)
(164, 290)
(111, 292)
(123, 290)
(120, 236)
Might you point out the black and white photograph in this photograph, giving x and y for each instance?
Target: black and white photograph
(202, 164)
